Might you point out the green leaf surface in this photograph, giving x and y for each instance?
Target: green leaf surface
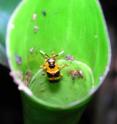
(69, 89)
(75, 26)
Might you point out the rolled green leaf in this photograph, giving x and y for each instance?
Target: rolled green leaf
(38, 33)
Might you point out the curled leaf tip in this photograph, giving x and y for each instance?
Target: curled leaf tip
(18, 77)
(24, 88)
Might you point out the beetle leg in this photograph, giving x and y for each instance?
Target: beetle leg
(63, 66)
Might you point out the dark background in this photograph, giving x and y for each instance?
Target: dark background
(103, 107)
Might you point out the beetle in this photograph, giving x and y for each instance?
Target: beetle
(50, 66)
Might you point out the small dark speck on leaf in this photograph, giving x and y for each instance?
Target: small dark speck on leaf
(31, 50)
(44, 13)
(36, 28)
(18, 59)
(34, 16)
(69, 58)
(43, 74)
(27, 76)
(76, 74)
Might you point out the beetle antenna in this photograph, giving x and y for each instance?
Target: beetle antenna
(60, 53)
(44, 54)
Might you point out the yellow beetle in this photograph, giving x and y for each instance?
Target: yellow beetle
(50, 66)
